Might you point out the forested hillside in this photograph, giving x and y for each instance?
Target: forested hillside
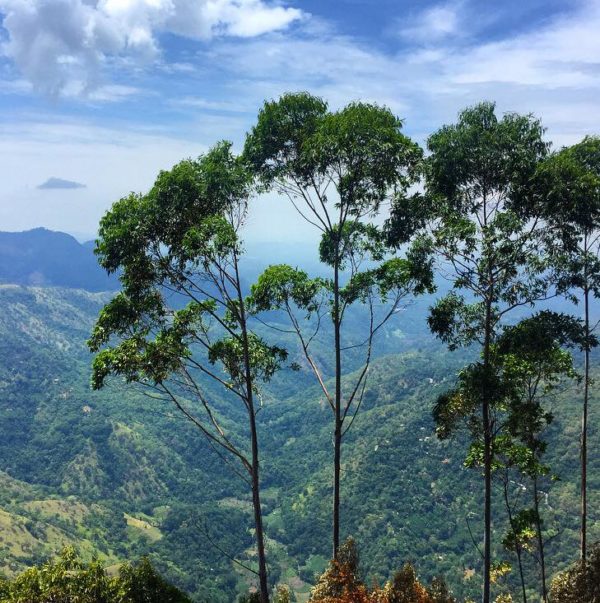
(119, 474)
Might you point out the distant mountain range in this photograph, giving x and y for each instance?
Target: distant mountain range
(42, 257)
(47, 258)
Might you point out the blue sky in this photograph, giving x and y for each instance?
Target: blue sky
(107, 92)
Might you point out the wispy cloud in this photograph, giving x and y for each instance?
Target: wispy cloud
(203, 104)
(433, 24)
(552, 70)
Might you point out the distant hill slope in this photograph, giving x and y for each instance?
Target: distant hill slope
(42, 257)
(47, 258)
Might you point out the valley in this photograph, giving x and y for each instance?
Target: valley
(120, 475)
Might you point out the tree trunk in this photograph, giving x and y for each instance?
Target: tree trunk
(336, 485)
(258, 520)
(487, 515)
(487, 460)
(538, 525)
(584, 421)
(518, 550)
(337, 437)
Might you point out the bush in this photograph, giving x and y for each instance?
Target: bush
(580, 583)
(340, 583)
(70, 580)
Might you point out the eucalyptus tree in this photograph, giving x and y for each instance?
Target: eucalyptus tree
(534, 360)
(180, 320)
(570, 182)
(483, 222)
(337, 169)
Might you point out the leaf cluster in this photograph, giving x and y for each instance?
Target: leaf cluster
(68, 579)
(360, 148)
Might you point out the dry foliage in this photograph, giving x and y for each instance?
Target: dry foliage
(341, 583)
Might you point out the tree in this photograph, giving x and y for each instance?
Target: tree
(570, 183)
(337, 169)
(181, 317)
(341, 581)
(533, 360)
(483, 222)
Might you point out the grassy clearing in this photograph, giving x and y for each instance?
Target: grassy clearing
(143, 527)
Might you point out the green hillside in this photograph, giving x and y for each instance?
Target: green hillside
(120, 475)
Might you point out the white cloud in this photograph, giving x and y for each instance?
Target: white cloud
(203, 104)
(113, 93)
(566, 53)
(552, 71)
(61, 43)
(433, 24)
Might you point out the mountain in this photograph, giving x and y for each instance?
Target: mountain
(120, 474)
(42, 257)
(46, 258)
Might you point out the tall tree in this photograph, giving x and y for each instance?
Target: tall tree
(570, 183)
(337, 169)
(484, 225)
(181, 318)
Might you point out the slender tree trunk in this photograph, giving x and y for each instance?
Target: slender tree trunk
(487, 460)
(540, 539)
(518, 550)
(258, 520)
(584, 421)
(337, 437)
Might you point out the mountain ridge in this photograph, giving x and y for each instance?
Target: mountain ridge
(45, 257)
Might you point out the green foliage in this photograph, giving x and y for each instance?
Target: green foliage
(281, 285)
(131, 455)
(481, 154)
(265, 359)
(70, 580)
(149, 235)
(455, 322)
(141, 583)
(569, 182)
(184, 226)
(276, 144)
(522, 532)
(463, 403)
(360, 147)
(527, 362)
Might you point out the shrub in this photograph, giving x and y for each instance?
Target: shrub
(580, 583)
(70, 580)
(340, 583)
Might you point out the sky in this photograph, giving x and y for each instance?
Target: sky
(97, 96)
